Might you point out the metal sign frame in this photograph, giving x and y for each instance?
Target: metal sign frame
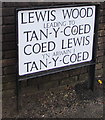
(90, 64)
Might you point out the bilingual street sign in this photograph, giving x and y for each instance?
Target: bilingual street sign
(50, 38)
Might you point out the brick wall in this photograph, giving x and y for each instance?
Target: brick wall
(104, 39)
(9, 54)
(101, 43)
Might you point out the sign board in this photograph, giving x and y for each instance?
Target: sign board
(54, 37)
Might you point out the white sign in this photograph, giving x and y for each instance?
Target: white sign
(55, 37)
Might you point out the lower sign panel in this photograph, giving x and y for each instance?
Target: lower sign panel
(54, 38)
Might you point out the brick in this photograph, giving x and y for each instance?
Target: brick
(0, 71)
(9, 46)
(16, 4)
(8, 11)
(9, 37)
(83, 77)
(0, 22)
(0, 63)
(8, 20)
(101, 33)
(9, 70)
(100, 53)
(23, 83)
(1, 4)
(8, 29)
(28, 90)
(22, 4)
(8, 62)
(8, 93)
(8, 4)
(31, 82)
(104, 57)
(9, 85)
(104, 19)
(104, 54)
(101, 26)
(100, 40)
(9, 78)
(104, 64)
(99, 59)
(74, 72)
(98, 66)
(0, 30)
(9, 103)
(104, 47)
(102, 5)
(83, 70)
(59, 76)
(0, 55)
(103, 13)
(0, 86)
(101, 19)
(78, 71)
(70, 80)
(41, 3)
(0, 12)
(0, 46)
(1, 38)
(48, 85)
(99, 73)
(100, 46)
(43, 79)
(10, 54)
